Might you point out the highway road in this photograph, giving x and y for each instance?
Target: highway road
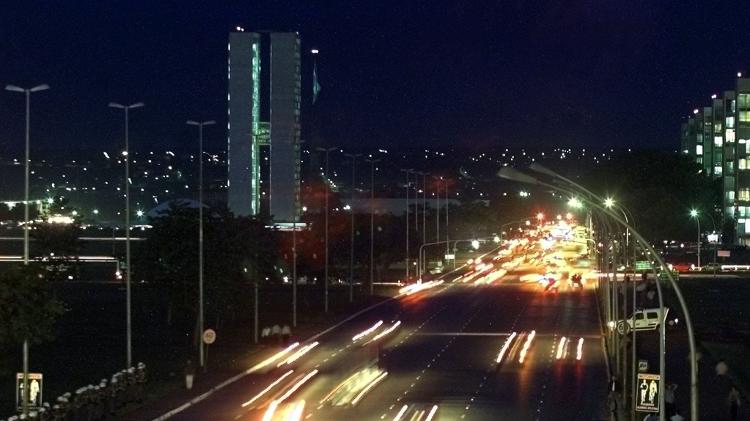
(433, 354)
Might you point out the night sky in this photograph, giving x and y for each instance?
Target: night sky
(421, 73)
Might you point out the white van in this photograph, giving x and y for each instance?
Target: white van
(644, 319)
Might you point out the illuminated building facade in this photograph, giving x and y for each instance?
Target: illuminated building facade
(717, 137)
(264, 112)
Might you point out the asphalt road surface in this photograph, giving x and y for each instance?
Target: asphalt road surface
(441, 361)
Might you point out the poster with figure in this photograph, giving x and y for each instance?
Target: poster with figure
(35, 391)
(648, 392)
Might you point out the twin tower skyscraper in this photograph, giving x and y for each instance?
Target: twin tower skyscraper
(263, 145)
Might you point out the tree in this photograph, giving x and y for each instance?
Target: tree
(27, 309)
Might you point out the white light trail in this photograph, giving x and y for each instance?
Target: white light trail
(367, 388)
(270, 411)
(401, 413)
(367, 331)
(271, 386)
(296, 386)
(297, 413)
(273, 358)
(297, 355)
(385, 332)
(432, 413)
(505, 347)
(526, 346)
(561, 347)
(579, 351)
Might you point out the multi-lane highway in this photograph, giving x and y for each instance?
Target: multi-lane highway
(487, 343)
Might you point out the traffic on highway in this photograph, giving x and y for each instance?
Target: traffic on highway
(513, 333)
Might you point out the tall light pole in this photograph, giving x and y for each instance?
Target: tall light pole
(328, 190)
(200, 125)
(694, 214)
(351, 240)
(27, 93)
(447, 225)
(126, 157)
(372, 223)
(437, 208)
(424, 207)
(408, 172)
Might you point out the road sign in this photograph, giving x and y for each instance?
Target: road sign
(642, 265)
(643, 366)
(648, 392)
(209, 336)
(35, 391)
(450, 256)
(723, 253)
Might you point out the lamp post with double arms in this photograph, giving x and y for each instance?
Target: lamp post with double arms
(27, 93)
(126, 157)
(200, 125)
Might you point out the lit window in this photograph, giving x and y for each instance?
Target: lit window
(730, 122)
(743, 100)
(718, 140)
(699, 149)
(729, 136)
(717, 127)
(743, 194)
(742, 164)
(717, 170)
(730, 195)
(744, 116)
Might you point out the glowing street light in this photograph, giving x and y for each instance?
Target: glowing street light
(575, 203)
(694, 214)
(540, 216)
(475, 244)
(609, 202)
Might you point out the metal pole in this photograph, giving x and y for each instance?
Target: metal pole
(351, 238)
(634, 356)
(200, 244)
(325, 280)
(255, 303)
(699, 240)
(25, 406)
(437, 210)
(372, 224)
(447, 226)
(127, 243)
(201, 316)
(294, 266)
(424, 208)
(407, 225)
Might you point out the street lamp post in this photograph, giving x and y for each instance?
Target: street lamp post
(200, 125)
(328, 190)
(694, 214)
(126, 156)
(372, 223)
(408, 172)
(27, 93)
(351, 241)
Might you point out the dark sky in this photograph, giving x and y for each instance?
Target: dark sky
(475, 73)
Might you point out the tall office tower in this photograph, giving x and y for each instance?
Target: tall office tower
(264, 110)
